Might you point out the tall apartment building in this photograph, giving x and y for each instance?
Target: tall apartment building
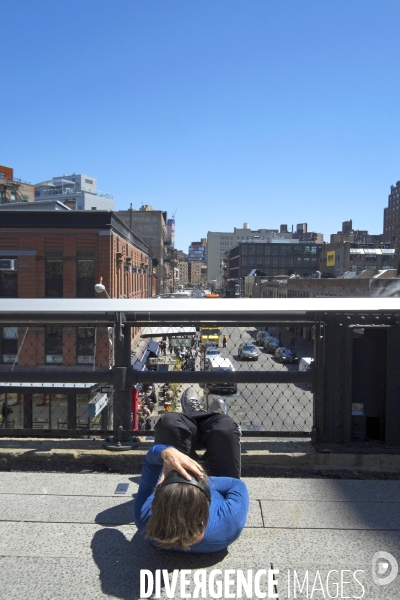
(151, 226)
(79, 192)
(391, 218)
(198, 251)
(55, 254)
(14, 190)
(191, 273)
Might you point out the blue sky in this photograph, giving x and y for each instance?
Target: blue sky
(223, 111)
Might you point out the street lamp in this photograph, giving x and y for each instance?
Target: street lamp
(99, 288)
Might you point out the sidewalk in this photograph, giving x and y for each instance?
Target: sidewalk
(70, 537)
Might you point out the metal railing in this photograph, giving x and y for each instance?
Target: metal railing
(269, 399)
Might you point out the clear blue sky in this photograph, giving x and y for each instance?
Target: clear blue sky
(225, 111)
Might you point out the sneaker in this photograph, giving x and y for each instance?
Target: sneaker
(190, 401)
(218, 405)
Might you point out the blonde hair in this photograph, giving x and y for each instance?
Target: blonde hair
(179, 514)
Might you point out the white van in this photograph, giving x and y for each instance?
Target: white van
(221, 364)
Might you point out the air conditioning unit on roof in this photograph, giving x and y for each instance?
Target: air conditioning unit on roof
(8, 264)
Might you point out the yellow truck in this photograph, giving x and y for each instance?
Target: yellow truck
(211, 333)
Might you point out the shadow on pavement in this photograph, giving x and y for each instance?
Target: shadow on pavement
(120, 561)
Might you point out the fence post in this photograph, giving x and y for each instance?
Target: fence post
(122, 388)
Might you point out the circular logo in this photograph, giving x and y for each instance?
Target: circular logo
(381, 574)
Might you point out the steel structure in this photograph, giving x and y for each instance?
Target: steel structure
(356, 396)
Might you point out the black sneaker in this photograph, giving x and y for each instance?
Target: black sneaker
(218, 405)
(190, 401)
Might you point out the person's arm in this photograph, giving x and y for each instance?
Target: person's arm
(159, 461)
(232, 513)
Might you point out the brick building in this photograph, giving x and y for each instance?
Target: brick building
(151, 226)
(191, 273)
(391, 218)
(339, 257)
(14, 190)
(54, 254)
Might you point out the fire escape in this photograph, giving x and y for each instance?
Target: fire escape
(10, 191)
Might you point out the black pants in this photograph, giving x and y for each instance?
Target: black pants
(217, 433)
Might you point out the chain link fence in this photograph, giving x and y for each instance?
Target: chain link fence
(71, 379)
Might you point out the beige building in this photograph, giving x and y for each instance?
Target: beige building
(191, 273)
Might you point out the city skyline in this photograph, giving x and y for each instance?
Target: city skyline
(221, 113)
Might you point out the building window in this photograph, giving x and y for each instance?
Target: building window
(267, 250)
(290, 262)
(8, 285)
(259, 260)
(54, 279)
(244, 261)
(53, 344)
(252, 249)
(85, 342)
(85, 280)
(275, 250)
(9, 344)
(274, 262)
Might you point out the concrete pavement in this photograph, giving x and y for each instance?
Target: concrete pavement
(70, 537)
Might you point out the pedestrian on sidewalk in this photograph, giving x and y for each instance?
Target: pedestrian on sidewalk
(189, 510)
(224, 340)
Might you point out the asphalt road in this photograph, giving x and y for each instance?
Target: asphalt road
(267, 407)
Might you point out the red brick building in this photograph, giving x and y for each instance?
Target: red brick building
(63, 254)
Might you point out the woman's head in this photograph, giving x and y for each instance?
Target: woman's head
(179, 513)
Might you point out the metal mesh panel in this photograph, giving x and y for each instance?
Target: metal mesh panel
(255, 406)
(67, 377)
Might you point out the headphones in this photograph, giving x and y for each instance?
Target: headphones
(193, 482)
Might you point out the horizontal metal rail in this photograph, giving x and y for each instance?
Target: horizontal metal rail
(95, 433)
(112, 377)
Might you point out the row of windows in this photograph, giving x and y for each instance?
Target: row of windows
(280, 249)
(53, 340)
(48, 411)
(258, 261)
(85, 280)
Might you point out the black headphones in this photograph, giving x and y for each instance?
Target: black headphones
(193, 482)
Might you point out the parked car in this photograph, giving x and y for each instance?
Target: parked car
(285, 355)
(248, 351)
(261, 336)
(271, 344)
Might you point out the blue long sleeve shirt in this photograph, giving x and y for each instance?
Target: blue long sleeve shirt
(228, 508)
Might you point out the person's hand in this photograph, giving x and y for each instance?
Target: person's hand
(173, 460)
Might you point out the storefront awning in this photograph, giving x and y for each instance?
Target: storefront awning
(168, 332)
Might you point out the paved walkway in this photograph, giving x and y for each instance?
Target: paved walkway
(70, 537)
